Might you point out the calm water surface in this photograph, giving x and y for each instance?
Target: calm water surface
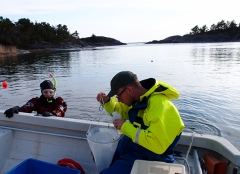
(206, 75)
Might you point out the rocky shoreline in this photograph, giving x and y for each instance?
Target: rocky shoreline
(88, 42)
(82, 44)
(100, 41)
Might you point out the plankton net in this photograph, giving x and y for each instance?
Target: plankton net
(103, 142)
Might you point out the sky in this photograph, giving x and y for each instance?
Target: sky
(124, 20)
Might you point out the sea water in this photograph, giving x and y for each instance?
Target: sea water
(206, 76)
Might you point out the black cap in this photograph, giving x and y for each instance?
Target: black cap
(46, 84)
(120, 80)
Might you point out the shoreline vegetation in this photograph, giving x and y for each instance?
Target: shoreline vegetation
(25, 36)
(221, 32)
(8, 50)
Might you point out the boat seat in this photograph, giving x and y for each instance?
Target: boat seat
(215, 166)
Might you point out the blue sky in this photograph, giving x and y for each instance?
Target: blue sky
(124, 20)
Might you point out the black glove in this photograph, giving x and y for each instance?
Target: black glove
(47, 114)
(9, 113)
(64, 104)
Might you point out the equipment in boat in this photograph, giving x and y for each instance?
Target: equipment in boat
(103, 142)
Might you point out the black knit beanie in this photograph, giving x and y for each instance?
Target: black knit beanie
(47, 84)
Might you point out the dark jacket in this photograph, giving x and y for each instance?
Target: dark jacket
(56, 106)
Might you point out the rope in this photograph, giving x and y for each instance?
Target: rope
(188, 151)
(101, 108)
(185, 162)
(190, 145)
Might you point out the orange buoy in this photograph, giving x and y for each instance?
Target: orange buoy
(4, 84)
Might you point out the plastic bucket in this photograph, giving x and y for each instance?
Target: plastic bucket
(103, 143)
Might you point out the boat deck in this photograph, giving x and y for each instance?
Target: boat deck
(51, 139)
(18, 145)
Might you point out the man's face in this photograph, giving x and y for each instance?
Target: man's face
(123, 95)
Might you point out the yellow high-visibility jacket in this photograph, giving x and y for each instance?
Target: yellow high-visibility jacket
(161, 117)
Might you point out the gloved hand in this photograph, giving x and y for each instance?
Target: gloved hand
(47, 114)
(9, 113)
(64, 104)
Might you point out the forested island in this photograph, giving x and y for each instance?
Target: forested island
(221, 32)
(27, 35)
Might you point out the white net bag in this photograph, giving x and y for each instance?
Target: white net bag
(103, 142)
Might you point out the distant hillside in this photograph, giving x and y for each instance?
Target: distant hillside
(101, 41)
(222, 32)
(25, 34)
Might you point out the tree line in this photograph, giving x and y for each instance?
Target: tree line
(215, 28)
(24, 33)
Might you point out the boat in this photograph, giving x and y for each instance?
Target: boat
(50, 139)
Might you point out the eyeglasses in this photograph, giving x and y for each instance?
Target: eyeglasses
(119, 95)
(48, 91)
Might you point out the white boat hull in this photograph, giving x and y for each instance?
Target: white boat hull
(52, 138)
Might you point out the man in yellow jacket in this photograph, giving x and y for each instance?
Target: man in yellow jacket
(149, 120)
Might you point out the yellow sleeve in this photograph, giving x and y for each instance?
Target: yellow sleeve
(113, 106)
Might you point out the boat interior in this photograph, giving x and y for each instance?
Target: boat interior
(52, 138)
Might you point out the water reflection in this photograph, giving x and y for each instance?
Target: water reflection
(216, 53)
(30, 66)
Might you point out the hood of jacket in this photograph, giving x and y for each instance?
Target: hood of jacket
(157, 87)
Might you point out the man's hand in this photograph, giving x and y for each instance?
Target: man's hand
(102, 98)
(118, 123)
